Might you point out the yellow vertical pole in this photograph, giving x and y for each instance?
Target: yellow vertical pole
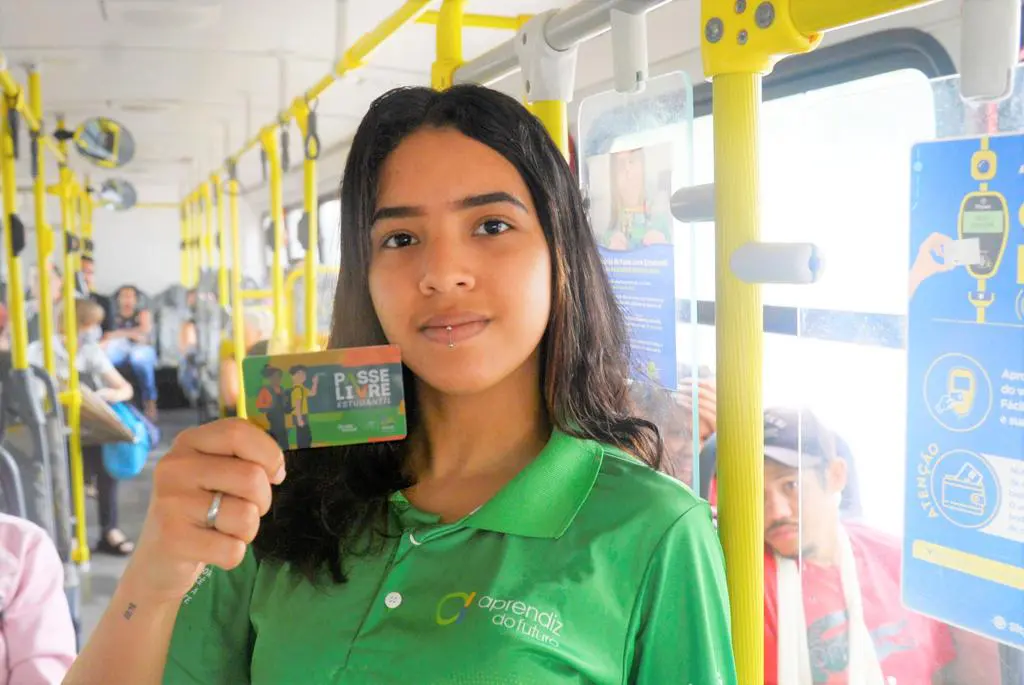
(72, 398)
(70, 241)
(44, 235)
(15, 285)
(223, 288)
(184, 243)
(739, 341)
(311, 152)
(197, 238)
(554, 115)
(190, 218)
(87, 207)
(189, 232)
(449, 43)
(279, 340)
(740, 43)
(81, 198)
(206, 200)
(237, 301)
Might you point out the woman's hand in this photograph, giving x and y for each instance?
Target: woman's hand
(229, 456)
(931, 259)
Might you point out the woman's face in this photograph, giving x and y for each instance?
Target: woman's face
(456, 242)
(629, 177)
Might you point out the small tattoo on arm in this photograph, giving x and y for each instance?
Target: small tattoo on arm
(128, 612)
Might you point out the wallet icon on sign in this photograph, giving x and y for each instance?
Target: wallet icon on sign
(965, 491)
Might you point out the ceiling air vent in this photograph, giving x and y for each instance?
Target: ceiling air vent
(162, 14)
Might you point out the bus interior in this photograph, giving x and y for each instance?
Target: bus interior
(185, 157)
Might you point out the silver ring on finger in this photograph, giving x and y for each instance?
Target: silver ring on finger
(214, 510)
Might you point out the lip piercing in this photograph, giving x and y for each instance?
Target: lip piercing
(451, 343)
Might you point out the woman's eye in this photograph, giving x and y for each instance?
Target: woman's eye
(397, 240)
(492, 227)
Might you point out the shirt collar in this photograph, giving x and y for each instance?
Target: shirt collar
(544, 498)
(540, 502)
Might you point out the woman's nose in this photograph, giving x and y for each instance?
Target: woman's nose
(446, 266)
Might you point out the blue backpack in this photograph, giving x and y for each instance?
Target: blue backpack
(124, 460)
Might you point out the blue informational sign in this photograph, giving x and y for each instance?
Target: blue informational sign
(630, 192)
(963, 556)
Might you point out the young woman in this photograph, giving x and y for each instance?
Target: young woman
(519, 535)
(98, 373)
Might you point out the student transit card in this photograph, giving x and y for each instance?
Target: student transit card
(322, 399)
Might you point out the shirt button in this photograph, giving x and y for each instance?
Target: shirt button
(393, 600)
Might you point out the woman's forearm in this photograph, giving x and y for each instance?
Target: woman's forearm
(130, 643)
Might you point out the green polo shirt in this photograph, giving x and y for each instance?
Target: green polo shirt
(588, 567)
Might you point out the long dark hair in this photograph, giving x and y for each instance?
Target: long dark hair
(334, 502)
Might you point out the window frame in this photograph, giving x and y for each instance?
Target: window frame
(859, 58)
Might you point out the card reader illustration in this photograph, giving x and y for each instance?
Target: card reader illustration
(965, 491)
(960, 392)
(984, 215)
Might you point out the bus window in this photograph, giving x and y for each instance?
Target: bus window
(295, 250)
(330, 232)
(836, 172)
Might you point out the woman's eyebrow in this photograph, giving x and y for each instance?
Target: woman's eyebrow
(490, 199)
(407, 211)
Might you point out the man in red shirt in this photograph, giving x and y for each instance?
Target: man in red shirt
(832, 605)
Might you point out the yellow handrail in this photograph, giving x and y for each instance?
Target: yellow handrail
(352, 59)
(738, 49)
(450, 21)
(813, 16)
(15, 285)
(262, 294)
(309, 342)
(65, 190)
(303, 119)
(279, 339)
(157, 205)
(237, 296)
(183, 247)
(12, 89)
(206, 205)
(223, 288)
(480, 21)
(44, 235)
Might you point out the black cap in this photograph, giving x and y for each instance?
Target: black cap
(796, 438)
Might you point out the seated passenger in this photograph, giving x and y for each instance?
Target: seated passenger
(832, 604)
(130, 341)
(89, 274)
(98, 373)
(37, 636)
(259, 325)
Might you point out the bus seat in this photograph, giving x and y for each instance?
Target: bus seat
(170, 316)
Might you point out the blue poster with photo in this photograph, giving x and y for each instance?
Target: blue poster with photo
(630, 193)
(963, 557)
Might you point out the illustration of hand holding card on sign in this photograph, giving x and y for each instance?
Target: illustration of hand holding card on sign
(365, 402)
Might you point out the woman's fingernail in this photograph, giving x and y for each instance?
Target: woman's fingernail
(279, 476)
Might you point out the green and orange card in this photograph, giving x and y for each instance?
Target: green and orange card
(322, 399)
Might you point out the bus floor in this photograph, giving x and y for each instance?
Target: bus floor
(99, 582)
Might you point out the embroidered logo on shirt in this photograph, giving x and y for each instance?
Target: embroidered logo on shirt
(511, 615)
